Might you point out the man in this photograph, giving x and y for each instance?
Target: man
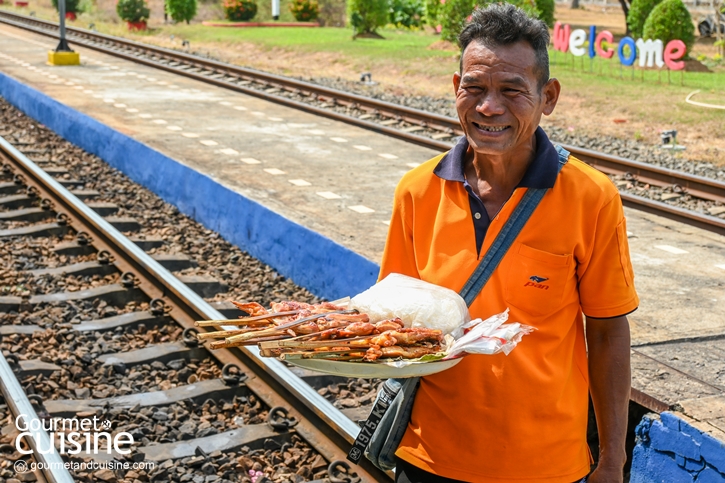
(521, 417)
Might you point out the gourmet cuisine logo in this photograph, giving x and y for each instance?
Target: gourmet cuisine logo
(72, 436)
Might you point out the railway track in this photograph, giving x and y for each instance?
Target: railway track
(412, 125)
(105, 329)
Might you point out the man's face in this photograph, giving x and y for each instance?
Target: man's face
(498, 98)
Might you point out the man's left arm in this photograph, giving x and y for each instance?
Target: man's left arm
(608, 344)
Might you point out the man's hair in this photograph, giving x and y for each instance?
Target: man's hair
(501, 24)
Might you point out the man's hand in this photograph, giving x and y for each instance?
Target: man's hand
(606, 475)
(608, 345)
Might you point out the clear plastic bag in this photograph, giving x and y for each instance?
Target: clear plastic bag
(417, 303)
(489, 336)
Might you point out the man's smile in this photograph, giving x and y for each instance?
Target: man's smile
(490, 129)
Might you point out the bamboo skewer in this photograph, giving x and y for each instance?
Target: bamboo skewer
(220, 334)
(346, 354)
(245, 320)
(275, 330)
(222, 344)
(301, 344)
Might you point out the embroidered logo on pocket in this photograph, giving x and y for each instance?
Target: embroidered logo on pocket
(536, 282)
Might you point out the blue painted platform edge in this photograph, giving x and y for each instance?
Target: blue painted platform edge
(670, 450)
(322, 266)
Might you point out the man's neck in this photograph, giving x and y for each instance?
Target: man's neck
(498, 175)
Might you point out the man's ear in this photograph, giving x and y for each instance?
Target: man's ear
(550, 95)
(456, 83)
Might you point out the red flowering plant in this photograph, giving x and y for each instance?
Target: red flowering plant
(240, 10)
(305, 10)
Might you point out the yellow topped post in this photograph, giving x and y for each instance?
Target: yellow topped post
(63, 55)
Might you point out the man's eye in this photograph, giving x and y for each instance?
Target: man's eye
(473, 88)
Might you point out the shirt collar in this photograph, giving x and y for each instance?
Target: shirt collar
(541, 173)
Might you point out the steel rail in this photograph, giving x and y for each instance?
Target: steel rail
(697, 186)
(51, 464)
(324, 426)
(675, 213)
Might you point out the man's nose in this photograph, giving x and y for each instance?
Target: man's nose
(490, 105)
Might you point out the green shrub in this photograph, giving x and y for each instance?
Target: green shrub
(133, 10)
(670, 20)
(546, 12)
(240, 10)
(433, 12)
(366, 16)
(407, 13)
(637, 16)
(73, 6)
(304, 10)
(181, 10)
(454, 15)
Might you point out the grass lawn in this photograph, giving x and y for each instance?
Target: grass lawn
(417, 62)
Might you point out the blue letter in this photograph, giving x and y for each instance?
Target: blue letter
(592, 38)
(627, 61)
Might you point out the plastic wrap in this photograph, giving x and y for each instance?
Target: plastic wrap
(415, 302)
(489, 336)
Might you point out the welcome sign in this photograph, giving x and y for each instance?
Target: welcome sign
(651, 52)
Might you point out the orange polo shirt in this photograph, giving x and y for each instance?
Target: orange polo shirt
(521, 417)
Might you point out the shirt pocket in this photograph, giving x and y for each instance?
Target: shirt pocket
(536, 280)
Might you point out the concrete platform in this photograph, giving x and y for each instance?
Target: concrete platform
(338, 180)
(329, 176)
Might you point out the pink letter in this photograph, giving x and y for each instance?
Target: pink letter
(604, 35)
(674, 50)
(561, 37)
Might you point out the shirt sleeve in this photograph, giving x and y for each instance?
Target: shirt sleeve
(606, 278)
(399, 253)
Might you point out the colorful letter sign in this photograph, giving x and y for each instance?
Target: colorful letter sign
(651, 52)
(604, 35)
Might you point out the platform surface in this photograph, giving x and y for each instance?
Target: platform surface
(339, 180)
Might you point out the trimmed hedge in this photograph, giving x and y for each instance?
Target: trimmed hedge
(454, 14)
(181, 10)
(366, 16)
(637, 16)
(240, 10)
(670, 20)
(133, 10)
(305, 10)
(73, 6)
(546, 12)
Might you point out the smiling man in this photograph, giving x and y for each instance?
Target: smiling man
(521, 417)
